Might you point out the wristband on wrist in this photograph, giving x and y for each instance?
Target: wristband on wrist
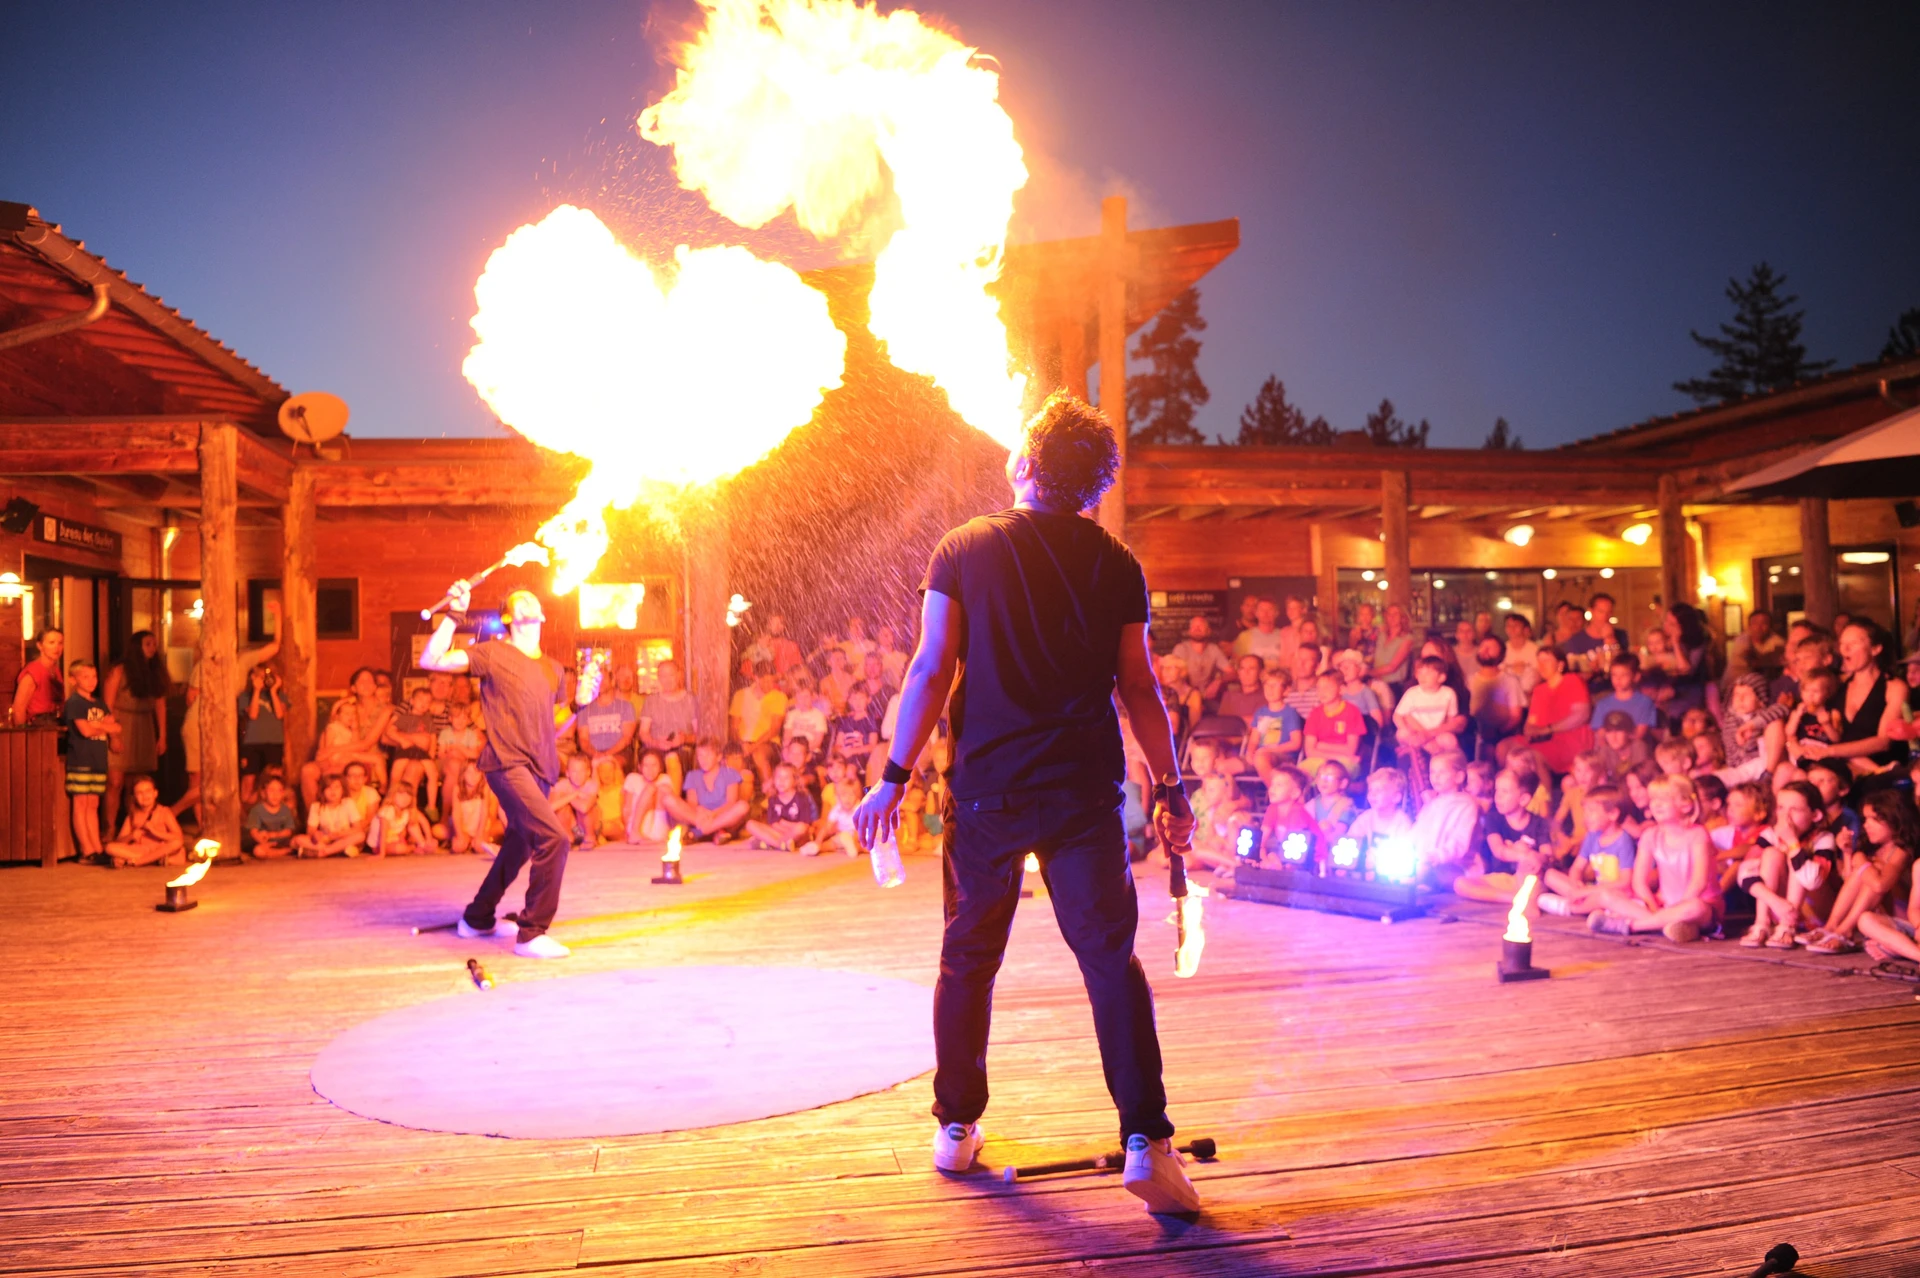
(894, 774)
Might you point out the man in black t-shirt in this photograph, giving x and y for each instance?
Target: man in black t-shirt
(1034, 617)
(519, 687)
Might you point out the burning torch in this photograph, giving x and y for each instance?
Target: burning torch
(1516, 946)
(527, 552)
(1171, 794)
(179, 899)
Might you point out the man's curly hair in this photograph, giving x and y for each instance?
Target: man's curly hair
(1074, 454)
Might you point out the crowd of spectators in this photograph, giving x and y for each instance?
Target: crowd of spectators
(1665, 782)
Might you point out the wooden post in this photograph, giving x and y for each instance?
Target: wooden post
(1113, 350)
(1326, 574)
(219, 636)
(1675, 584)
(1816, 561)
(709, 664)
(299, 655)
(1393, 527)
(1073, 357)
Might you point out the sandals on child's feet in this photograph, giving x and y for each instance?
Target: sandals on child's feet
(1832, 943)
(1782, 938)
(1756, 935)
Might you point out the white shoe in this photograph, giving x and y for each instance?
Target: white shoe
(955, 1146)
(1157, 1176)
(504, 928)
(1553, 904)
(541, 946)
(809, 848)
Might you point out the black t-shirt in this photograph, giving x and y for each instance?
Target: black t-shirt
(1044, 597)
(1525, 825)
(517, 697)
(800, 807)
(84, 753)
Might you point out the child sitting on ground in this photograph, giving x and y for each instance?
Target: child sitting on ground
(1428, 714)
(835, 829)
(1795, 879)
(1890, 834)
(1569, 819)
(334, 827)
(643, 808)
(148, 833)
(1331, 807)
(1444, 833)
(1749, 813)
(576, 801)
(1604, 863)
(1712, 793)
(1816, 717)
(1675, 890)
(1287, 814)
(1480, 774)
(1219, 813)
(1621, 747)
(1752, 736)
(1386, 815)
(856, 732)
(1709, 756)
(272, 822)
(790, 814)
(1333, 730)
(470, 812)
(410, 736)
(459, 742)
(1273, 734)
(400, 828)
(1518, 842)
(1528, 767)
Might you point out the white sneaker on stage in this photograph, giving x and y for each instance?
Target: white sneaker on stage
(505, 928)
(955, 1145)
(1157, 1176)
(541, 946)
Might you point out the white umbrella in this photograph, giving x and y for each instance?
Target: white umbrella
(1882, 460)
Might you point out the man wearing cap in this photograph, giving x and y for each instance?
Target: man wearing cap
(519, 687)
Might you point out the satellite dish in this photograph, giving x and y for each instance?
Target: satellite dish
(313, 417)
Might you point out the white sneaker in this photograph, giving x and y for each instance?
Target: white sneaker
(1553, 904)
(541, 946)
(955, 1145)
(809, 848)
(505, 928)
(1157, 1176)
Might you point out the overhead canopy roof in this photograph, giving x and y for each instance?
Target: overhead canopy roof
(140, 358)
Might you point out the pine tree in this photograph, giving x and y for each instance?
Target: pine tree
(1760, 350)
(1161, 403)
(1903, 339)
(1387, 431)
(1270, 419)
(1503, 436)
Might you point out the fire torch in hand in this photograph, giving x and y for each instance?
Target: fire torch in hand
(1173, 820)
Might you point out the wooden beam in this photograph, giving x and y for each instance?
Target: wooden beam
(138, 448)
(1393, 526)
(219, 637)
(1113, 350)
(299, 651)
(1326, 575)
(262, 469)
(494, 483)
(1816, 561)
(1674, 586)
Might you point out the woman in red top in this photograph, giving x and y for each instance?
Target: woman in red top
(40, 692)
(1557, 718)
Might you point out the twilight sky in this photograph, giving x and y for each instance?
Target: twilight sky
(1474, 209)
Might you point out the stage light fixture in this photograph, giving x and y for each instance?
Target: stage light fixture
(17, 516)
(1606, 574)
(1246, 845)
(1368, 575)
(1395, 859)
(1518, 535)
(1637, 534)
(1549, 573)
(1294, 848)
(1346, 854)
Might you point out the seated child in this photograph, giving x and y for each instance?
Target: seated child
(1621, 747)
(1333, 730)
(1428, 714)
(1675, 890)
(148, 833)
(835, 829)
(1386, 815)
(1891, 935)
(409, 735)
(334, 827)
(1795, 880)
(643, 806)
(857, 732)
(1633, 789)
(1674, 757)
(1445, 832)
(272, 823)
(798, 755)
(1694, 723)
(1331, 807)
(1737, 840)
(1527, 765)
(1604, 863)
(1816, 717)
(1518, 843)
(790, 814)
(1219, 813)
(1833, 780)
(1480, 774)
(1288, 814)
(400, 828)
(471, 812)
(1273, 733)
(576, 801)
(1752, 737)
(1569, 819)
(1890, 834)
(1709, 755)
(608, 815)
(459, 741)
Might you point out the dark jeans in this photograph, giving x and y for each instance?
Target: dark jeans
(1082, 850)
(534, 832)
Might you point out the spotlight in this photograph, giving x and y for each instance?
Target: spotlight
(1395, 859)
(1518, 535)
(1549, 573)
(1637, 534)
(1606, 574)
(1294, 848)
(1346, 855)
(18, 515)
(1368, 575)
(1246, 845)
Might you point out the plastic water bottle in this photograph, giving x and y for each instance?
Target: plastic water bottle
(885, 858)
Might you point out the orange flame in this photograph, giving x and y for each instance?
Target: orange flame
(661, 383)
(527, 552)
(673, 845)
(1517, 930)
(828, 108)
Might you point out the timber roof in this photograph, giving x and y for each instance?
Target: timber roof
(141, 357)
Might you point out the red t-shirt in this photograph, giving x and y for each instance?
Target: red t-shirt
(1340, 730)
(49, 689)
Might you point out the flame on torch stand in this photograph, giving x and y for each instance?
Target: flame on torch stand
(1517, 930)
(204, 853)
(673, 845)
(1192, 930)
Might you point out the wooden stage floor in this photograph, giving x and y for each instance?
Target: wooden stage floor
(1382, 1106)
